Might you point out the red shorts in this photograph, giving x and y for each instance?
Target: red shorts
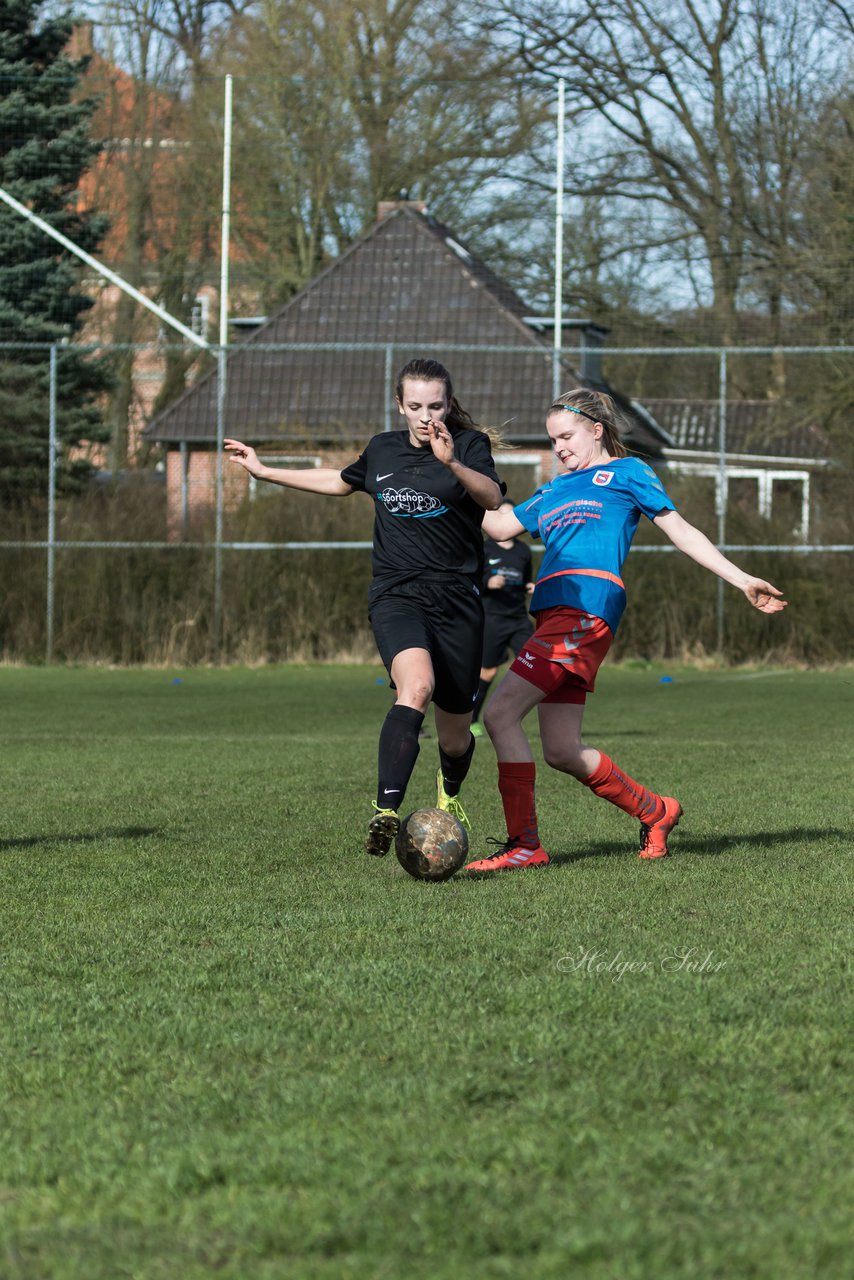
(564, 654)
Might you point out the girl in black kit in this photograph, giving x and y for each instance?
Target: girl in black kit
(430, 484)
(509, 583)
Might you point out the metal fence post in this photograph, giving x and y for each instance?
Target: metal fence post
(185, 486)
(221, 360)
(723, 492)
(51, 508)
(384, 352)
(560, 148)
(389, 374)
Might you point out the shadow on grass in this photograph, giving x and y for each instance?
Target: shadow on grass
(83, 837)
(709, 847)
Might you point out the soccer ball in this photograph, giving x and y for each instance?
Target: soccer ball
(431, 844)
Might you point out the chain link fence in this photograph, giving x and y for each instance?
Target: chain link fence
(180, 559)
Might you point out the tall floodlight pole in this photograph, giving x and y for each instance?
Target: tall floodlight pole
(221, 359)
(723, 489)
(53, 450)
(226, 216)
(558, 335)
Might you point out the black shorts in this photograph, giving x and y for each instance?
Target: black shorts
(503, 632)
(446, 619)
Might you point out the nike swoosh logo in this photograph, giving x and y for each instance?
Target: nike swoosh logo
(385, 477)
(495, 562)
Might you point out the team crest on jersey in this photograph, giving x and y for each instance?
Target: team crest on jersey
(603, 477)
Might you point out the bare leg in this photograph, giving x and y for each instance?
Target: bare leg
(563, 748)
(512, 701)
(454, 731)
(487, 675)
(560, 733)
(412, 674)
(509, 705)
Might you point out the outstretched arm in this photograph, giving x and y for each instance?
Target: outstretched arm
(695, 544)
(313, 479)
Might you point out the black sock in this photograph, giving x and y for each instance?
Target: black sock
(455, 768)
(397, 754)
(480, 698)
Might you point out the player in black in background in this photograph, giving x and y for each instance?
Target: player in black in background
(430, 484)
(508, 583)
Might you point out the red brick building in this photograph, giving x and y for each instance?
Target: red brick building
(317, 378)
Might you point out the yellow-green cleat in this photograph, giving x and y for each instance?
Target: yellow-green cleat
(450, 804)
(382, 829)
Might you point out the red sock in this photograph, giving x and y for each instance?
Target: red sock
(612, 784)
(516, 784)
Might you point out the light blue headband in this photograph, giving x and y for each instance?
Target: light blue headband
(572, 409)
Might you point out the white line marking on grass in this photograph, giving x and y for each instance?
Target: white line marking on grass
(758, 675)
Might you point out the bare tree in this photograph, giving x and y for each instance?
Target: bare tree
(161, 123)
(844, 16)
(697, 113)
(824, 242)
(822, 283)
(135, 123)
(346, 104)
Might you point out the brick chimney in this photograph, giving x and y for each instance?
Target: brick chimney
(82, 42)
(385, 207)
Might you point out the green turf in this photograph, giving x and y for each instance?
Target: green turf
(233, 1045)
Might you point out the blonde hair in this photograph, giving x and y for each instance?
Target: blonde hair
(598, 407)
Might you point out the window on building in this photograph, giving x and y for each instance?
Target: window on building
(200, 315)
(298, 462)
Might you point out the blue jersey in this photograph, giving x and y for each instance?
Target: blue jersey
(587, 520)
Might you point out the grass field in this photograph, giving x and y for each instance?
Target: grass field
(234, 1046)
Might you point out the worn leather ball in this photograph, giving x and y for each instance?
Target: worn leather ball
(431, 844)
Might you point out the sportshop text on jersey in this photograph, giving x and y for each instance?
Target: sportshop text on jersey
(425, 523)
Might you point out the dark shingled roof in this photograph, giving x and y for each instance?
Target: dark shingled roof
(408, 282)
(752, 427)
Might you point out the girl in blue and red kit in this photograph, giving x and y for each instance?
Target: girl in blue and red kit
(586, 517)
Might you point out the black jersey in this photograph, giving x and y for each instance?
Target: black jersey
(514, 565)
(426, 524)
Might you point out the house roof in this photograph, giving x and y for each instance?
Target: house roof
(753, 427)
(410, 284)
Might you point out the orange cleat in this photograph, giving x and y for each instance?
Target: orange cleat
(653, 835)
(511, 857)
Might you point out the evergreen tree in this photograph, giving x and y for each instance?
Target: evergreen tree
(45, 147)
